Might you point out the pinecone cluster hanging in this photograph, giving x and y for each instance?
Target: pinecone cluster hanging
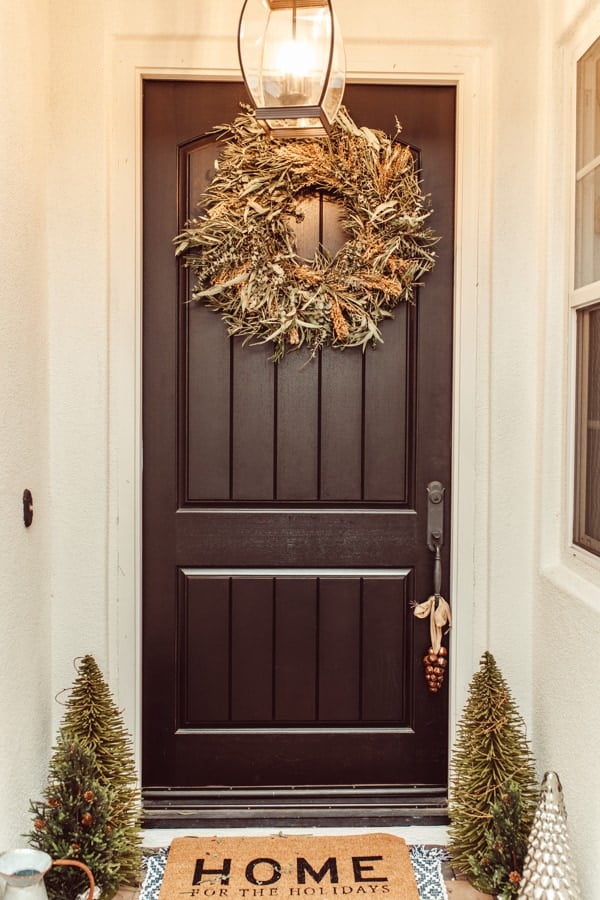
(437, 610)
(435, 668)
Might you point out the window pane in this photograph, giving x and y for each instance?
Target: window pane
(587, 472)
(587, 235)
(588, 110)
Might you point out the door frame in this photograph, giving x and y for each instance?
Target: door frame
(468, 67)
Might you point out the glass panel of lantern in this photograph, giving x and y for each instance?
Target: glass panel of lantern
(292, 59)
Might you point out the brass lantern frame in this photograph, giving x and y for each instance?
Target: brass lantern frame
(295, 120)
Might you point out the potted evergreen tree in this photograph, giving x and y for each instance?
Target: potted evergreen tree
(493, 789)
(91, 810)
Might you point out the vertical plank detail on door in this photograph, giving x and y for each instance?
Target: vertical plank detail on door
(253, 423)
(389, 385)
(340, 647)
(341, 425)
(204, 632)
(296, 624)
(245, 638)
(252, 650)
(208, 443)
(206, 434)
(297, 429)
(384, 664)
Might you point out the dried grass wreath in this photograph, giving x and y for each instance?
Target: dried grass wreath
(241, 248)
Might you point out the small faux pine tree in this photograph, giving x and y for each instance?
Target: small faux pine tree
(73, 822)
(93, 718)
(491, 756)
(501, 867)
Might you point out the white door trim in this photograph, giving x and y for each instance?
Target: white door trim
(203, 58)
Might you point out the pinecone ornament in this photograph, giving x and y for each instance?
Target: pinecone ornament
(437, 610)
(435, 668)
(549, 872)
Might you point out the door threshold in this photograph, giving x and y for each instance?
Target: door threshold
(319, 807)
(425, 835)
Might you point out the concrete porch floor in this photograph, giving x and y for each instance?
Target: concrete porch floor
(457, 886)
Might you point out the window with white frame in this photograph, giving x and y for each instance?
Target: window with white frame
(586, 303)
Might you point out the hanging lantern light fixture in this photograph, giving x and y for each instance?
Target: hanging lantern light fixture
(292, 59)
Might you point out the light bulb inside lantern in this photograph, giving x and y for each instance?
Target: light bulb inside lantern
(295, 65)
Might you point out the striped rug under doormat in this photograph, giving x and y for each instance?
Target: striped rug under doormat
(290, 866)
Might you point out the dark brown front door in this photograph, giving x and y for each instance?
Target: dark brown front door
(284, 515)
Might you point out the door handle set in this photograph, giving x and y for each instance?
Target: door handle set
(435, 529)
(436, 608)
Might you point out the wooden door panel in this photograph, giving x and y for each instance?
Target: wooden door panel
(284, 510)
(244, 639)
(353, 443)
(351, 412)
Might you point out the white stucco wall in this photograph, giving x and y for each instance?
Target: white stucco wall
(566, 610)
(58, 430)
(25, 591)
(78, 335)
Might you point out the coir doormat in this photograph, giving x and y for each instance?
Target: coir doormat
(291, 867)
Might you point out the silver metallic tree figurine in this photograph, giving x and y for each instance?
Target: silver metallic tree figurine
(549, 872)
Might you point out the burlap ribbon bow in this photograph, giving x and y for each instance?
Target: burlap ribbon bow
(440, 616)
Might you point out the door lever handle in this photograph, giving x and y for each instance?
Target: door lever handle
(435, 608)
(435, 529)
(435, 515)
